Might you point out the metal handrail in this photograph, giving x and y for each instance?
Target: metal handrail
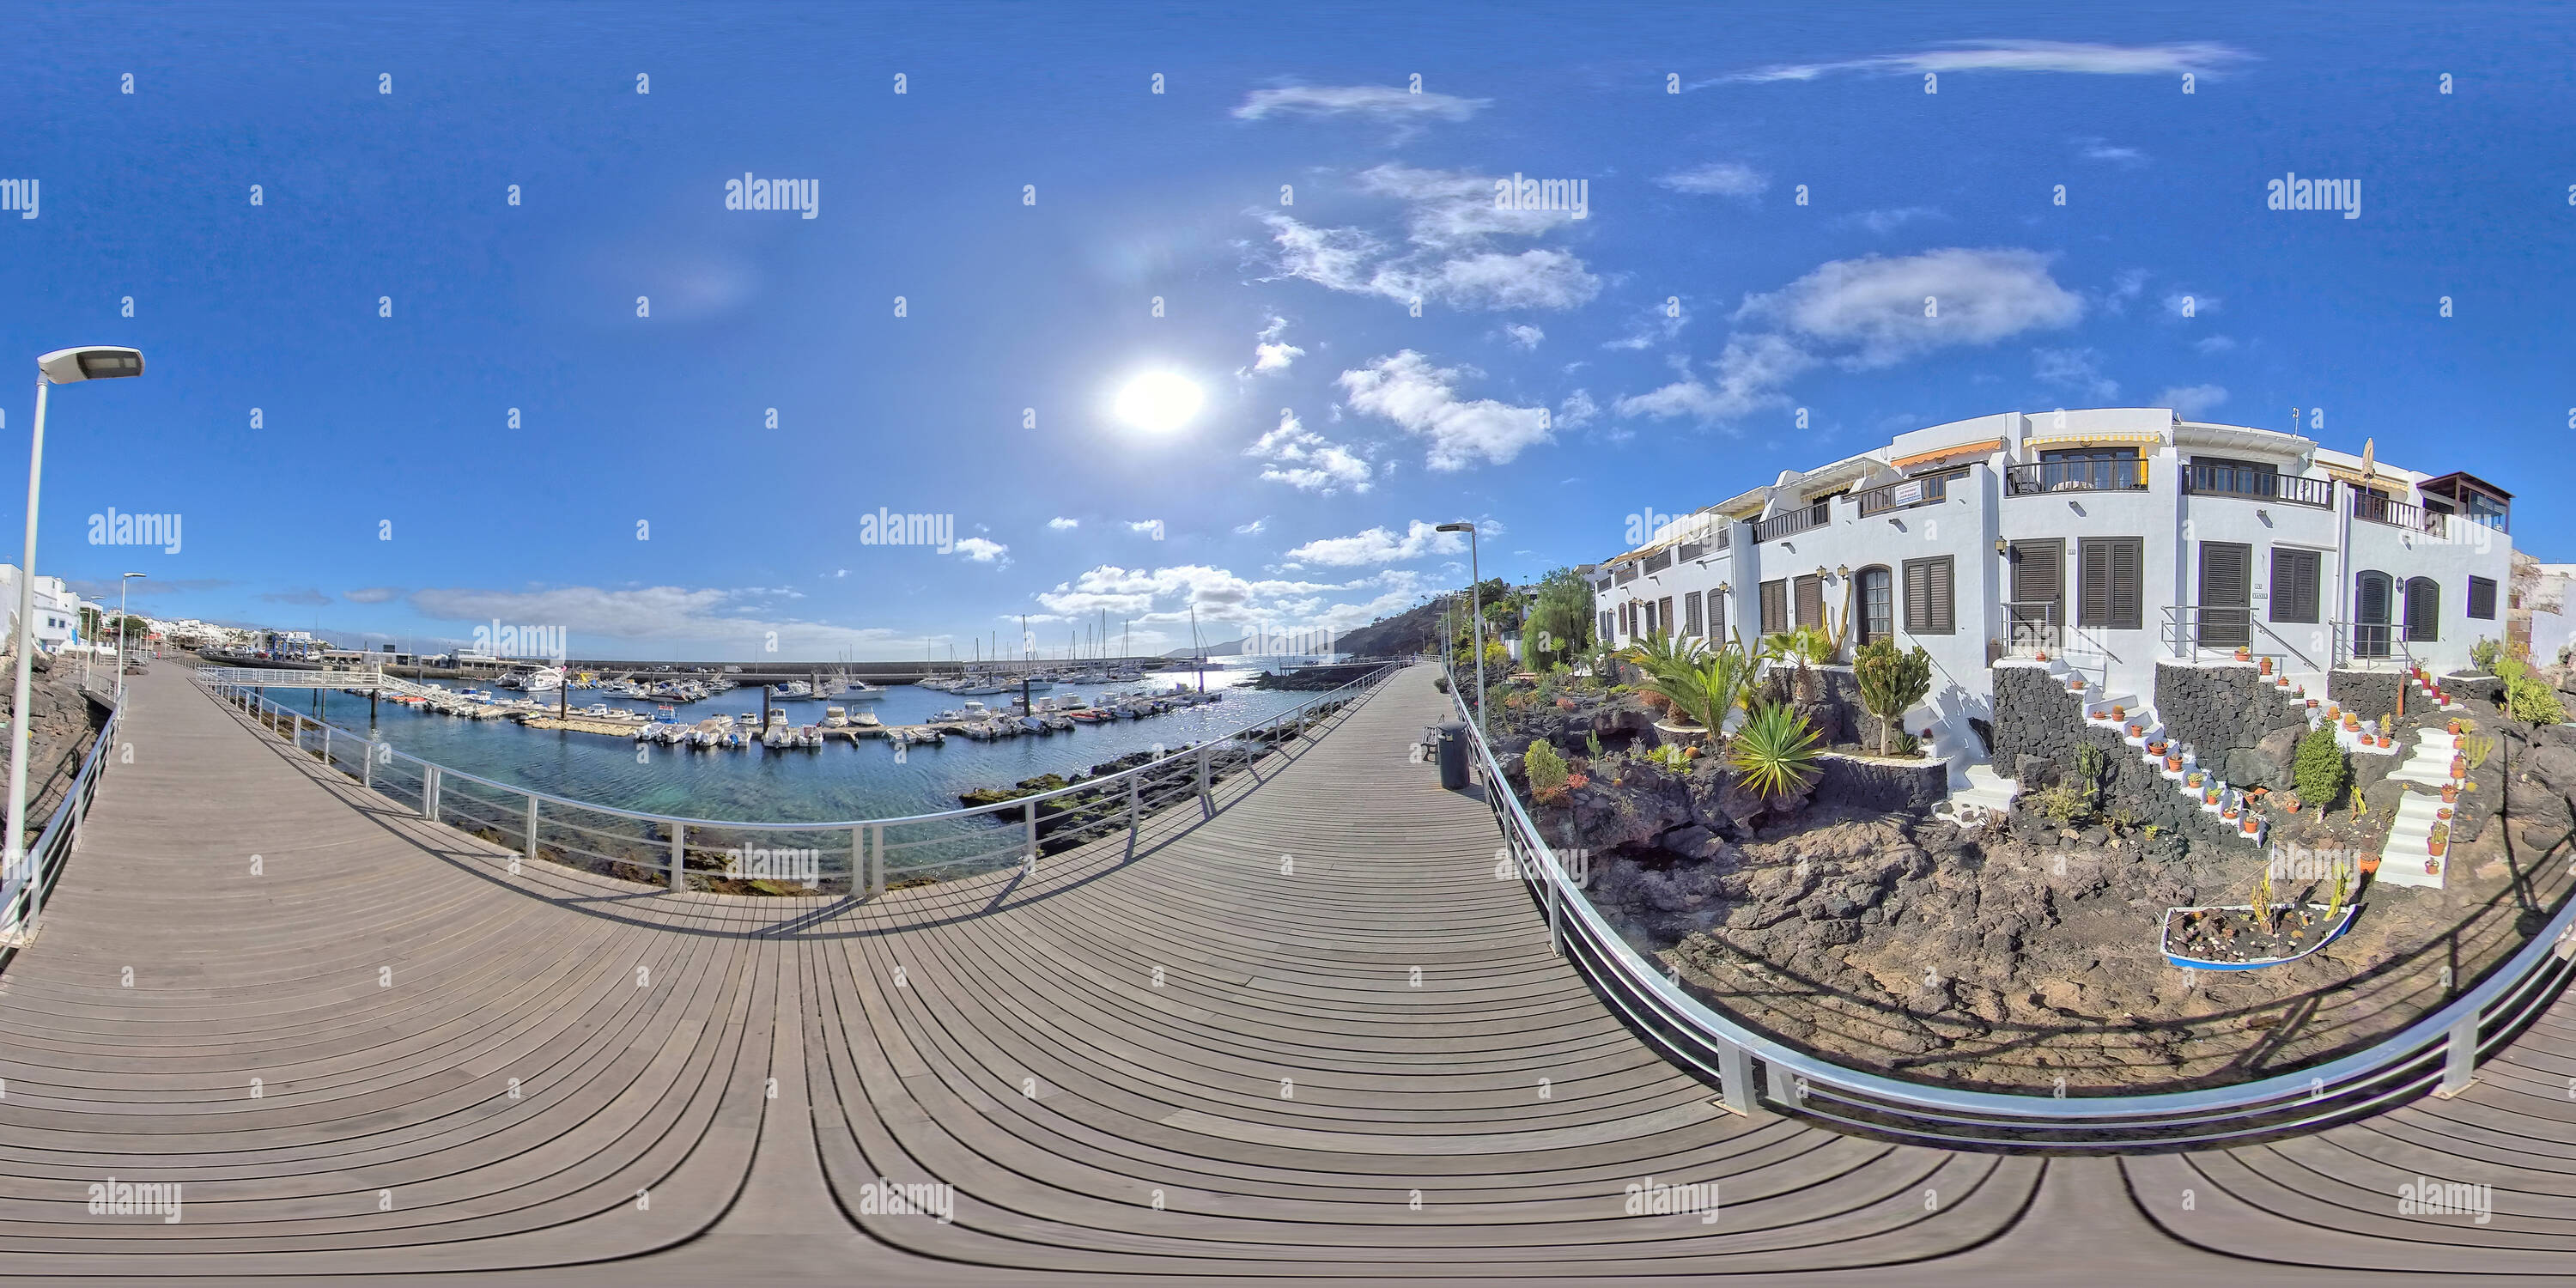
(2038, 478)
(1934, 489)
(1197, 762)
(2396, 514)
(2206, 479)
(1789, 523)
(1723, 1050)
(24, 901)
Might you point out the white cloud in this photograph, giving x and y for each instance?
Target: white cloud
(1750, 372)
(842, 572)
(1524, 335)
(1422, 399)
(1062, 524)
(2192, 401)
(700, 617)
(2075, 369)
(1269, 351)
(1381, 103)
(1254, 528)
(1718, 179)
(2199, 58)
(372, 595)
(983, 551)
(1308, 461)
(1450, 224)
(1578, 410)
(1888, 310)
(1883, 222)
(2214, 344)
(1166, 596)
(1378, 546)
(1660, 322)
(2094, 149)
(1147, 527)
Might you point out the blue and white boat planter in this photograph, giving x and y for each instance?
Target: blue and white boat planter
(2187, 951)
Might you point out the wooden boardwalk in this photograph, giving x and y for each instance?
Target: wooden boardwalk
(1312, 1037)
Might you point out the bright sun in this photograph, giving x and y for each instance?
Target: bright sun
(1158, 402)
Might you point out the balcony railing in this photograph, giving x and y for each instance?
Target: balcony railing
(2396, 514)
(1794, 521)
(1930, 489)
(2258, 485)
(1624, 574)
(1659, 561)
(2075, 476)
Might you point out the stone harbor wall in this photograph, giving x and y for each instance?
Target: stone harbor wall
(1880, 785)
(2371, 694)
(2035, 718)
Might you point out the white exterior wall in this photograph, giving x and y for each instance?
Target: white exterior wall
(2172, 524)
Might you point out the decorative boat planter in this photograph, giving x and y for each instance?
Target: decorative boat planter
(2201, 938)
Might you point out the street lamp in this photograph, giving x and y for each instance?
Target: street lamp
(61, 367)
(121, 584)
(1476, 605)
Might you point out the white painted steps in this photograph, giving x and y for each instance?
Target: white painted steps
(2402, 855)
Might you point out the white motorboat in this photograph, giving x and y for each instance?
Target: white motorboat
(791, 691)
(865, 720)
(836, 717)
(862, 691)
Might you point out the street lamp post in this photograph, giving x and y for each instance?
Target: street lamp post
(1476, 606)
(121, 584)
(61, 367)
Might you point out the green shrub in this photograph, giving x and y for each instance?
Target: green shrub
(2065, 805)
(2529, 698)
(2483, 654)
(1775, 751)
(2319, 768)
(1547, 772)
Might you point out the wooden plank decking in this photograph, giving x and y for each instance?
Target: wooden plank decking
(1213, 1060)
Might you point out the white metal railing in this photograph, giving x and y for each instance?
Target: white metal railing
(2439, 1051)
(23, 890)
(256, 677)
(854, 856)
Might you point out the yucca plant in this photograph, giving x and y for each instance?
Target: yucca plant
(1775, 751)
(1708, 689)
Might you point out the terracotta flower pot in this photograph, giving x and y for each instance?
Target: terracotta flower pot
(2450, 793)
(2229, 813)
(2442, 815)
(2119, 712)
(2433, 867)
(2244, 655)
(2253, 824)
(2369, 865)
(2312, 704)
(2292, 806)
(2267, 667)
(2460, 765)
(2435, 848)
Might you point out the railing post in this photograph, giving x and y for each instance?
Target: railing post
(1135, 806)
(1735, 1079)
(429, 792)
(326, 746)
(1207, 801)
(1029, 821)
(367, 767)
(1556, 872)
(532, 827)
(876, 860)
(679, 856)
(858, 861)
(1783, 1088)
(2460, 1059)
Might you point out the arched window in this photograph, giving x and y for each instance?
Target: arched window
(1877, 593)
(2371, 592)
(2423, 610)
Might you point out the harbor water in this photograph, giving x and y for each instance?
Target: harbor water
(838, 781)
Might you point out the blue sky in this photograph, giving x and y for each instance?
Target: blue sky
(385, 491)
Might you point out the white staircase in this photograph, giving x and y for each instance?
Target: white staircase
(2402, 856)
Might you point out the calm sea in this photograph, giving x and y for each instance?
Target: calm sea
(835, 782)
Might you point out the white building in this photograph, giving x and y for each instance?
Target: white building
(57, 619)
(2112, 538)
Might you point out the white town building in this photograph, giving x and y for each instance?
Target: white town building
(57, 619)
(2112, 539)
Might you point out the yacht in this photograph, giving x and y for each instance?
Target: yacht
(792, 691)
(862, 691)
(836, 717)
(865, 720)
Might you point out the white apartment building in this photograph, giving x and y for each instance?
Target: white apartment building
(2112, 538)
(57, 619)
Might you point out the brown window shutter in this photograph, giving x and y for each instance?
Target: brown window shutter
(1944, 607)
(2093, 598)
(1918, 604)
(1811, 600)
(2128, 583)
(1775, 607)
(1664, 611)
(2482, 598)
(2295, 589)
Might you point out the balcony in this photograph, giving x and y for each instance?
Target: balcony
(1793, 522)
(1659, 561)
(2396, 514)
(1930, 489)
(2075, 476)
(1624, 574)
(2258, 485)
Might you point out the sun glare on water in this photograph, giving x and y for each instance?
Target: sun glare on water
(1159, 402)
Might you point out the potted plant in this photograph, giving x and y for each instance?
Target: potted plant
(2118, 713)
(2192, 779)
(2456, 731)
(2137, 730)
(2209, 795)
(2438, 840)
(2075, 684)
(2173, 763)
(2450, 793)
(2043, 655)
(2312, 704)
(2267, 667)
(2253, 824)
(2442, 815)
(2369, 865)
(2290, 801)
(2333, 711)
(2459, 765)
(2244, 654)
(2433, 867)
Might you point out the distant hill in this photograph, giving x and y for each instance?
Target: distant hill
(1230, 648)
(1403, 635)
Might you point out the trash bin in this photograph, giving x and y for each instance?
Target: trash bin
(1453, 755)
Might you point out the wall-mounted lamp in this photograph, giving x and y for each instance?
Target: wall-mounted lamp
(1821, 574)
(2001, 545)
(1842, 570)
(1724, 589)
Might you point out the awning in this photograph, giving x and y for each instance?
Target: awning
(1987, 448)
(2091, 440)
(2352, 474)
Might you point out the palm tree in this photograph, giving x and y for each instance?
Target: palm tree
(1706, 691)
